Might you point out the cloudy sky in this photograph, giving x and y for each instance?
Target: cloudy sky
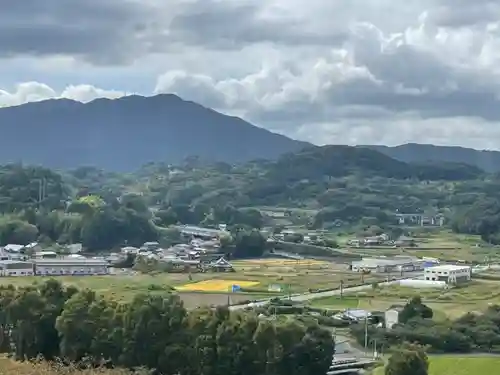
(325, 71)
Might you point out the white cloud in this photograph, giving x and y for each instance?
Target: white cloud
(35, 91)
(327, 71)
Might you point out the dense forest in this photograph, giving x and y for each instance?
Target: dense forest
(338, 187)
(52, 321)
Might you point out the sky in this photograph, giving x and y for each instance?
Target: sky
(323, 71)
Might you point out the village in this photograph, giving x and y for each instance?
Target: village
(199, 254)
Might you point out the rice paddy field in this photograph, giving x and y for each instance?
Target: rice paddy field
(254, 277)
(451, 303)
(215, 285)
(460, 365)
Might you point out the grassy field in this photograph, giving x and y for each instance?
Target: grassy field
(444, 245)
(456, 365)
(452, 303)
(253, 276)
(10, 367)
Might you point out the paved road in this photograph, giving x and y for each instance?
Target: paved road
(314, 295)
(344, 349)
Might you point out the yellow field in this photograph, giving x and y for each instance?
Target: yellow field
(215, 285)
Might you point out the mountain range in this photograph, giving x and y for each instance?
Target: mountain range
(124, 134)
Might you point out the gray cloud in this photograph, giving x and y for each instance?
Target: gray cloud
(366, 71)
(465, 13)
(230, 25)
(102, 31)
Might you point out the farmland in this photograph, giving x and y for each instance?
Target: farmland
(442, 244)
(215, 285)
(459, 365)
(253, 276)
(451, 303)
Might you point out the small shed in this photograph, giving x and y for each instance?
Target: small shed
(391, 316)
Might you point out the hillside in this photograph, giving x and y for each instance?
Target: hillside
(123, 134)
(340, 161)
(419, 153)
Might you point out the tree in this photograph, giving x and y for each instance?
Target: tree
(17, 231)
(408, 360)
(248, 243)
(415, 309)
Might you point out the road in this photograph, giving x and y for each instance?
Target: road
(314, 295)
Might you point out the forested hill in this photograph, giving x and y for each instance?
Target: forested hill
(338, 187)
(123, 134)
(340, 161)
(420, 153)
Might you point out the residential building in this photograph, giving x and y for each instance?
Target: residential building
(420, 219)
(13, 248)
(185, 265)
(220, 265)
(45, 255)
(129, 250)
(75, 248)
(404, 241)
(15, 268)
(150, 246)
(70, 266)
(356, 314)
(450, 274)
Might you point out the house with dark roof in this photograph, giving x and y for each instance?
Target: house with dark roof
(220, 265)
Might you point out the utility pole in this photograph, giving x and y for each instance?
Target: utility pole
(42, 190)
(366, 332)
(341, 289)
(39, 193)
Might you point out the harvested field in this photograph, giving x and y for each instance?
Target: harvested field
(254, 276)
(195, 299)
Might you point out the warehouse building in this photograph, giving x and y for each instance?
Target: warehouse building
(208, 233)
(15, 268)
(70, 266)
(450, 274)
(388, 265)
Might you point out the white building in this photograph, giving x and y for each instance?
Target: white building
(15, 268)
(450, 274)
(396, 264)
(423, 284)
(45, 255)
(392, 317)
(70, 266)
(209, 233)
